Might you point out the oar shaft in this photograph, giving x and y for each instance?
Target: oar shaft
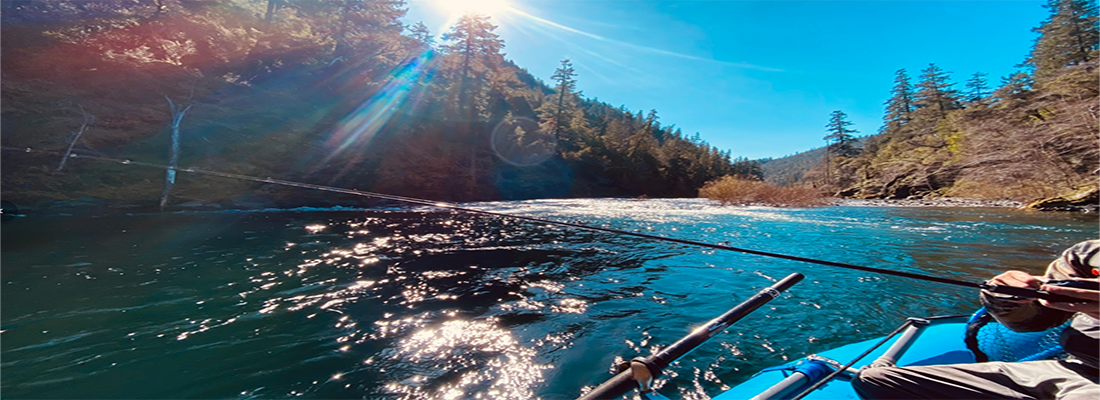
(624, 381)
(672, 353)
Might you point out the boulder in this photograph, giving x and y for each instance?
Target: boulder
(1087, 200)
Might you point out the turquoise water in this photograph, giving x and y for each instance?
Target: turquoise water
(414, 303)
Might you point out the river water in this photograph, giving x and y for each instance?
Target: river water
(417, 303)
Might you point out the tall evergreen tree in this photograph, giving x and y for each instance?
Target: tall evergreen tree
(976, 87)
(564, 76)
(840, 143)
(422, 34)
(934, 90)
(477, 47)
(1068, 37)
(900, 103)
(476, 63)
(840, 140)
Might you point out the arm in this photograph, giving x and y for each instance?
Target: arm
(1029, 315)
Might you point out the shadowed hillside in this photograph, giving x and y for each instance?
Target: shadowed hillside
(330, 93)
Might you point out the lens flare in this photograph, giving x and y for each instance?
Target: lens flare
(361, 125)
(463, 7)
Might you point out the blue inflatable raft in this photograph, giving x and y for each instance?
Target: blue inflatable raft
(931, 341)
(919, 341)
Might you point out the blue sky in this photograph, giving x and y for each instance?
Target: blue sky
(759, 78)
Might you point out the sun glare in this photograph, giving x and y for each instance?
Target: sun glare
(461, 7)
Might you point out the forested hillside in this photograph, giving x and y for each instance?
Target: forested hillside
(334, 93)
(1035, 135)
(789, 170)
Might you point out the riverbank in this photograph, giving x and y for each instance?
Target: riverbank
(936, 202)
(91, 206)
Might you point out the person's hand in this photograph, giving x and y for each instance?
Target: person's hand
(1019, 279)
(1090, 299)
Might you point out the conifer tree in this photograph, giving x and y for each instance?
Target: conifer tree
(475, 62)
(368, 28)
(422, 34)
(900, 103)
(840, 140)
(1068, 37)
(478, 50)
(566, 84)
(934, 90)
(977, 88)
(1013, 86)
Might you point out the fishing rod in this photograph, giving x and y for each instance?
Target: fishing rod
(1001, 289)
(643, 370)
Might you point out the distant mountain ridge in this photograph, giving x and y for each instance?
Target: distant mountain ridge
(788, 171)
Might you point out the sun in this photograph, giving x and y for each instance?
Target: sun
(463, 7)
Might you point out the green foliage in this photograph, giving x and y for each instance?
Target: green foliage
(790, 170)
(1032, 137)
(561, 108)
(900, 104)
(935, 92)
(1069, 37)
(1016, 86)
(977, 87)
(840, 141)
(474, 63)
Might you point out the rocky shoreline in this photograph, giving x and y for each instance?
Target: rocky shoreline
(91, 206)
(936, 202)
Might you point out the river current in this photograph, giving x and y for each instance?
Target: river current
(411, 303)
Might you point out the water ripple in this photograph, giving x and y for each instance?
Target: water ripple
(416, 303)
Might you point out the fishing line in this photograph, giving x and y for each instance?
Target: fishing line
(455, 207)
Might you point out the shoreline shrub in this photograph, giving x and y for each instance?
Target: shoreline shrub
(733, 190)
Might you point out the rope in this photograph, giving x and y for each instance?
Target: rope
(455, 207)
(841, 370)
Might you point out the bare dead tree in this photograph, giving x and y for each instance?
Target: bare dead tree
(88, 118)
(178, 112)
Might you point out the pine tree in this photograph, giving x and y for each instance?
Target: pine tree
(840, 143)
(1013, 85)
(1068, 37)
(934, 90)
(478, 50)
(566, 84)
(840, 140)
(476, 63)
(900, 103)
(977, 88)
(368, 28)
(422, 34)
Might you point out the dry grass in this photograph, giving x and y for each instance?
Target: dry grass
(732, 190)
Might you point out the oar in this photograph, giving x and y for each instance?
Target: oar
(643, 370)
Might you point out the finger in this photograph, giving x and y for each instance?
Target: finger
(1086, 307)
(1017, 279)
(1083, 294)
